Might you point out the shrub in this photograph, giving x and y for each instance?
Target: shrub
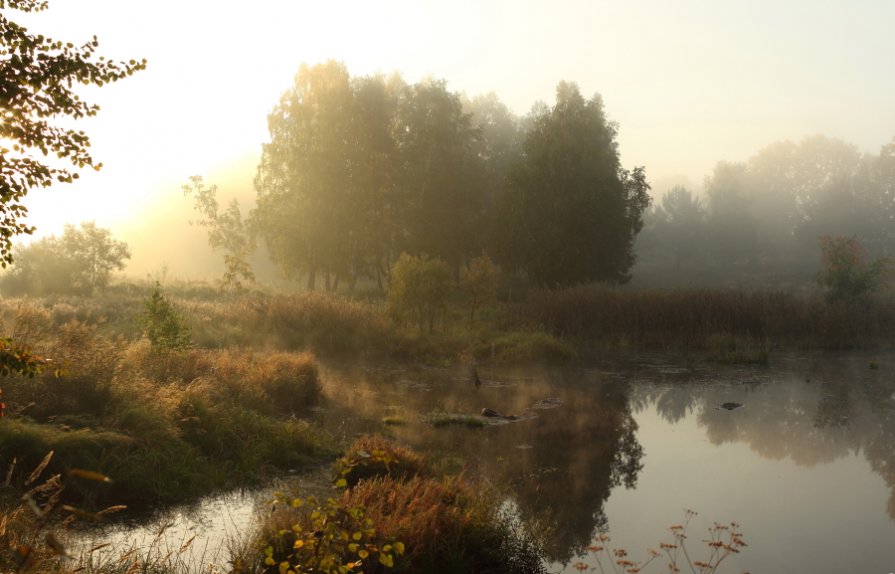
(447, 525)
(419, 287)
(521, 346)
(373, 455)
(162, 324)
(331, 537)
(846, 275)
(479, 281)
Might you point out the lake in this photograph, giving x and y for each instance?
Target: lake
(805, 463)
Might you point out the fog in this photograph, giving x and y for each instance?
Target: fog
(689, 85)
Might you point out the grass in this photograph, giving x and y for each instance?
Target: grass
(401, 520)
(691, 318)
(168, 427)
(441, 419)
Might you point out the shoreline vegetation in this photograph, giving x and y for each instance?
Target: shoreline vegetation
(179, 393)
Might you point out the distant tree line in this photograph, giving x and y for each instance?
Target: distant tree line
(359, 170)
(762, 220)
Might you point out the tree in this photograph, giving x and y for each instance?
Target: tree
(846, 274)
(571, 213)
(227, 231)
(325, 179)
(79, 262)
(441, 176)
(419, 287)
(479, 280)
(37, 76)
(733, 227)
(680, 223)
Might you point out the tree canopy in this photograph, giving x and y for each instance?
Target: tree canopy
(571, 212)
(38, 76)
(79, 261)
(361, 169)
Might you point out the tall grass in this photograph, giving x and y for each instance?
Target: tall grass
(437, 525)
(689, 318)
(167, 426)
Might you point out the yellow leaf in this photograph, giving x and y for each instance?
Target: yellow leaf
(363, 554)
(399, 548)
(356, 536)
(387, 560)
(298, 544)
(341, 483)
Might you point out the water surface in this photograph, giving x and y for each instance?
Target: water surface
(806, 464)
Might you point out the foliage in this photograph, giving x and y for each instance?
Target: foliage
(373, 455)
(570, 213)
(420, 287)
(526, 347)
(724, 541)
(441, 419)
(16, 359)
(79, 262)
(762, 216)
(325, 178)
(168, 428)
(36, 92)
(479, 280)
(162, 325)
(680, 224)
(447, 525)
(846, 275)
(227, 231)
(359, 169)
(329, 537)
(441, 178)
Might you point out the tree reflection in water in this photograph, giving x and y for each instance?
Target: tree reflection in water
(809, 410)
(557, 468)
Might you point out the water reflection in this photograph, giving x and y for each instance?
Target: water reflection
(558, 466)
(811, 410)
(798, 463)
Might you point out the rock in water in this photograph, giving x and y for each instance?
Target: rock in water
(731, 406)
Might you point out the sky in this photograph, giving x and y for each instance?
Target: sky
(689, 82)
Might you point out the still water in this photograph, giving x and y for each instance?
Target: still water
(805, 464)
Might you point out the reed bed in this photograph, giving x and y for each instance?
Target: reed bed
(690, 318)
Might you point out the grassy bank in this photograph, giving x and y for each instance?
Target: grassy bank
(545, 327)
(168, 426)
(228, 410)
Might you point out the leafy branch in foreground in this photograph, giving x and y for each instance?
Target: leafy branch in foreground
(37, 75)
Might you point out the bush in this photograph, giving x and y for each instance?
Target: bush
(162, 324)
(376, 456)
(846, 275)
(447, 525)
(479, 281)
(419, 287)
(330, 537)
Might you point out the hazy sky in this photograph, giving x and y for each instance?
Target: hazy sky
(689, 82)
